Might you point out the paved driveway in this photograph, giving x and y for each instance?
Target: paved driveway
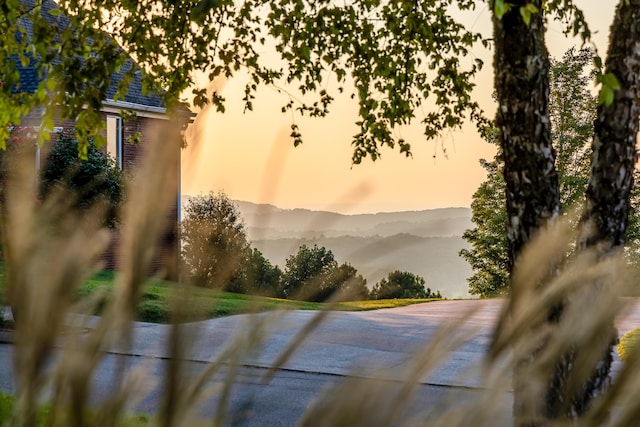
(378, 344)
(365, 343)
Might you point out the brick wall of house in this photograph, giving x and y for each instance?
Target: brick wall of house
(166, 261)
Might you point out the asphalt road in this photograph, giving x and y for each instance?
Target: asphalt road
(379, 349)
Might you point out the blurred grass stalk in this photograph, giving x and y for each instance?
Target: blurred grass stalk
(50, 249)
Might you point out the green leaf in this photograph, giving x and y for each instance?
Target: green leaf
(611, 81)
(527, 11)
(606, 95)
(500, 8)
(51, 84)
(597, 61)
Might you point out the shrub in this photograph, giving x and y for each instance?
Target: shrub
(308, 273)
(402, 284)
(313, 274)
(257, 276)
(351, 285)
(628, 344)
(92, 181)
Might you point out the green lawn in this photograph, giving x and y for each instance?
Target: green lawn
(158, 300)
(7, 401)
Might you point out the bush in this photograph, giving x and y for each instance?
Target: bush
(351, 285)
(93, 181)
(214, 241)
(313, 274)
(628, 344)
(402, 284)
(257, 276)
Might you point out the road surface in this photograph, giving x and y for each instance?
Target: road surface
(377, 348)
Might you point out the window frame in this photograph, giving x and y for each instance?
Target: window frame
(115, 148)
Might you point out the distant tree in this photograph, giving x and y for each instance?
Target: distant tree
(214, 241)
(308, 272)
(402, 284)
(257, 276)
(313, 274)
(488, 255)
(350, 285)
(94, 180)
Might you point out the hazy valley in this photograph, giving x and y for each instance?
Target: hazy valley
(423, 242)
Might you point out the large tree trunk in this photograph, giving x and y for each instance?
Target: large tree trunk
(521, 62)
(521, 66)
(612, 165)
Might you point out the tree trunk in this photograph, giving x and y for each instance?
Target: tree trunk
(612, 165)
(521, 80)
(521, 64)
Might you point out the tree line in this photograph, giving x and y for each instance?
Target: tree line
(216, 254)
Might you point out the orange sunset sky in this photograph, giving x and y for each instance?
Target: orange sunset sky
(251, 156)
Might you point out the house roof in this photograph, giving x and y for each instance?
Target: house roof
(29, 78)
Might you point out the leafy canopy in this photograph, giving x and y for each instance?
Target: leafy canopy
(394, 58)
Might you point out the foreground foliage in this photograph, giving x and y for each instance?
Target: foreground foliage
(174, 42)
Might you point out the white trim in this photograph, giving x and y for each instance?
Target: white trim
(111, 106)
(114, 139)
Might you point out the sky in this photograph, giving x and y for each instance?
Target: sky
(250, 156)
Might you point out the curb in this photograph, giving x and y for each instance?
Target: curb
(6, 336)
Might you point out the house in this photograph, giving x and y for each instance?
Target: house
(125, 119)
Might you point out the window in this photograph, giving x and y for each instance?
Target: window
(114, 138)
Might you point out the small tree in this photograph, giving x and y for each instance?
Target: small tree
(313, 274)
(351, 285)
(257, 276)
(214, 241)
(307, 274)
(402, 284)
(94, 180)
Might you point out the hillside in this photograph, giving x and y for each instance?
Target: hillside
(270, 222)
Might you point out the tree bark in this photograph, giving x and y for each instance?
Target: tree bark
(521, 64)
(612, 165)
